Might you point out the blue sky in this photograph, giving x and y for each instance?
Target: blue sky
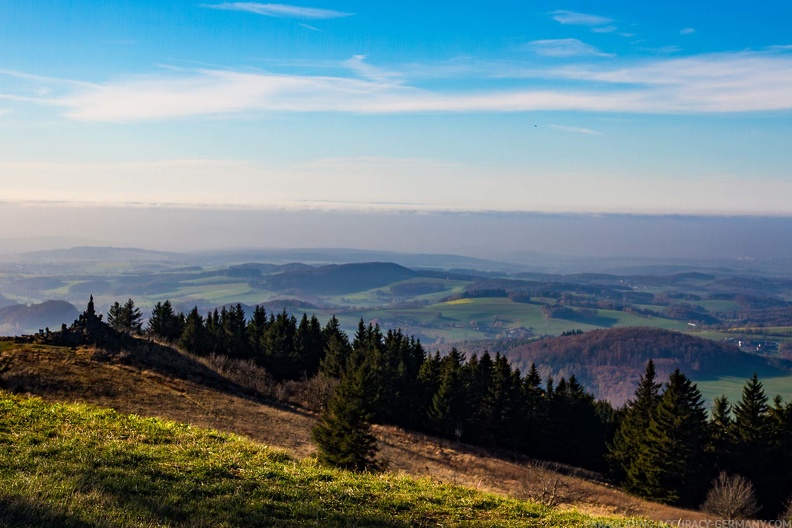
(609, 106)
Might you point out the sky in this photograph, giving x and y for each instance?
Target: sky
(411, 107)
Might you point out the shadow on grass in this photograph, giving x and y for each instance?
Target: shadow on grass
(25, 513)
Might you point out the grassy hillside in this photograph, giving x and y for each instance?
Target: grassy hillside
(77, 465)
(163, 382)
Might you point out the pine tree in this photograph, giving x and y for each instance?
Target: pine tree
(309, 346)
(343, 434)
(336, 355)
(753, 440)
(282, 360)
(114, 316)
(234, 330)
(721, 433)
(672, 461)
(257, 333)
(165, 323)
(449, 403)
(534, 424)
(631, 432)
(125, 318)
(195, 338)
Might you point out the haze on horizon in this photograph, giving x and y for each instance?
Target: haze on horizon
(343, 123)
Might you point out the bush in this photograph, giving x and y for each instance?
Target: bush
(731, 497)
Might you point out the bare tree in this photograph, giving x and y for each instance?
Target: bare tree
(543, 483)
(731, 497)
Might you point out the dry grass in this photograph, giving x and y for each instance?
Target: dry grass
(158, 381)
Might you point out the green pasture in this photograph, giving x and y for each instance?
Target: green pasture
(732, 386)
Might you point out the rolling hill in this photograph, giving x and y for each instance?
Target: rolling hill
(609, 362)
(339, 279)
(24, 319)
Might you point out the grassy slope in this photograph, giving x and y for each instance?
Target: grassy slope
(169, 385)
(77, 465)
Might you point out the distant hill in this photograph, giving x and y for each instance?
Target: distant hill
(24, 319)
(103, 254)
(609, 362)
(339, 279)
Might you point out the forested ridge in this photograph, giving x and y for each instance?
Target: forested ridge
(662, 445)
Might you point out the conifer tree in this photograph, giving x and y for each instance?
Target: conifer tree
(125, 318)
(234, 330)
(194, 338)
(534, 424)
(631, 432)
(673, 461)
(165, 323)
(449, 403)
(282, 360)
(752, 439)
(257, 333)
(721, 433)
(343, 434)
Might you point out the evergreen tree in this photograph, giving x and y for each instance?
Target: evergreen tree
(165, 323)
(533, 430)
(309, 346)
(125, 318)
(343, 434)
(336, 355)
(752, 439)
(780, 415)
(257, 333)
(234, 331)
(449, 403)
(114, 316)
(504, 399)
(632, 428)
(478, 422)
(214, 332)
(672, 461)
(577, 435)
(282, 360)
(721, 433)
(194, 338)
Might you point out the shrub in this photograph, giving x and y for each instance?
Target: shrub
(731, 497)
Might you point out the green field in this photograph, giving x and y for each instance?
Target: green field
(80, 466)
(732, 386)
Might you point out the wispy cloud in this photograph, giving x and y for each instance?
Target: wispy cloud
(312, 28)
(783, 47)
(365, 70)
(576, 130)
(279, 10)
(687, 31)
(568, 47)
(604, 29)
(579, 19)
(726, 82)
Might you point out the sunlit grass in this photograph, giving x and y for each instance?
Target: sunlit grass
(77, 465)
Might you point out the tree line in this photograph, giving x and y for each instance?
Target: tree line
(662, 445)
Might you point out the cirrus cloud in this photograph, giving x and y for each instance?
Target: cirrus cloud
(279, 10)
(713, 83)
(568, 47)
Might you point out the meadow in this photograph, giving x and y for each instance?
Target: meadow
(75, 465)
